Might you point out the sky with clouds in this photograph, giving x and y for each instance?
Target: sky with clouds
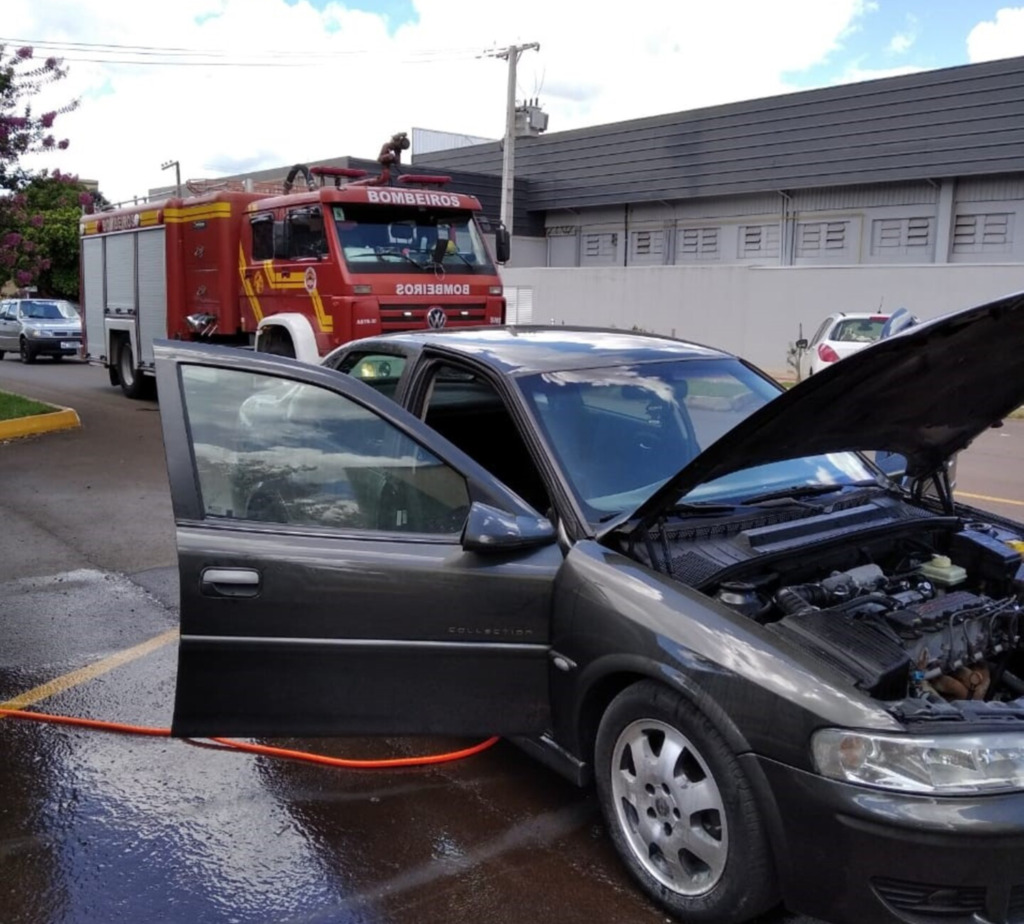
(224, 86)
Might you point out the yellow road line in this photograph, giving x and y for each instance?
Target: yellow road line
(995, 500)
(74, 678)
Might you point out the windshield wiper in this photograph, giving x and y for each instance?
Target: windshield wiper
(381, 252)
(461, 256)
(698, 508)
(794, 493)
(708, 508)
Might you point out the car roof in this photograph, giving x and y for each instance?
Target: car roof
(859, 315)
(526, 349)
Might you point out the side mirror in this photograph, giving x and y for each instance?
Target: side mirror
(502, 245)
(489, 529)
(801, 344)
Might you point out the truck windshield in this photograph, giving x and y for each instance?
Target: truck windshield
(389, 239)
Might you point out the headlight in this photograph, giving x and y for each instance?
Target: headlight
(938, 764)
(33, 332)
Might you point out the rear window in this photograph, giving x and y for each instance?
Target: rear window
(858, 330)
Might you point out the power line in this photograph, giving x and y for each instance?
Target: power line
(171, 56)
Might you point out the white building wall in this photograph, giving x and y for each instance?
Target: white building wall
(975, 220)
(755, 311)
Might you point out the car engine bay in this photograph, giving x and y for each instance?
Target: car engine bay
(919, 609)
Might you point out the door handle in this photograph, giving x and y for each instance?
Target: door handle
(230, 582)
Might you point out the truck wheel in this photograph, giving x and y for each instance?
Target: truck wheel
(279, 345)
(133, 383)
(28, 355)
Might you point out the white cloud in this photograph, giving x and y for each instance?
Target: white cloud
(361, 84)
(1002, 37)
(903, 41)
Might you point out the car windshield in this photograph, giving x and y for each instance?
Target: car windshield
(388, 239)
(619, 433)
(36, 309)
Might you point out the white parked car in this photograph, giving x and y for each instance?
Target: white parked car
(840, 335)
(34, 327)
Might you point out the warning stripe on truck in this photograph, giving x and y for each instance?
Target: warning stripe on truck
(206, 212)
(117, 222)
(281, 281)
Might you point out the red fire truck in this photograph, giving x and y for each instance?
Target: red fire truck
(285, 271)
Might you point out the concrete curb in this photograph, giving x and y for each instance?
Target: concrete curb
(63, 419)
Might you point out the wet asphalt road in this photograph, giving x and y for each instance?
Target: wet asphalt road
(99, 827)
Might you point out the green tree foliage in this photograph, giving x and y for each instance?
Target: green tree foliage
(23, 256)
(55, 202)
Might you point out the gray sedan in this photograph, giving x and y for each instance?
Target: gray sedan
(788, 676)
(34, 327)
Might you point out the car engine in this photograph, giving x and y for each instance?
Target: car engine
(891, 632)
(910, 604)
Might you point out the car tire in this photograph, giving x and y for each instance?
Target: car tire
(684, 819)
(2, 354)
(133, 383)
(27, 354)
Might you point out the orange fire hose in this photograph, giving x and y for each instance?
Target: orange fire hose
(266, 750)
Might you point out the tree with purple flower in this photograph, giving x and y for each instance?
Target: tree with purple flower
(27, 238)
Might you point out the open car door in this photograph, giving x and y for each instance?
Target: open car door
(344, 569)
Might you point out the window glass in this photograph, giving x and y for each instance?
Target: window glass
(620, 432)
(858, 330)
(379, 370)
(306, 238)
(263, 237)
(278, 451)
(387, 239)
(44, 310)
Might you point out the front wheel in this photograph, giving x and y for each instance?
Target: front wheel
(27, 354)
(277, 344)
(679, 809)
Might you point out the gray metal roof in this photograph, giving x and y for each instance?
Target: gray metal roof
(959, 121)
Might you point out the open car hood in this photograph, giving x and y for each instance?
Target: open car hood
(925, 393)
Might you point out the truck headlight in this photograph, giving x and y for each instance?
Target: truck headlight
(937, 764)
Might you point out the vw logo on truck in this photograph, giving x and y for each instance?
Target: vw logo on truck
(436, 317)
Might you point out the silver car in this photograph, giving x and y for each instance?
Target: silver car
(35, 327)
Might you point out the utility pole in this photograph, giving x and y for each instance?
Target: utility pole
(508, 163)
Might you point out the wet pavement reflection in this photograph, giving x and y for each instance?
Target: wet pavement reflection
(105, 827)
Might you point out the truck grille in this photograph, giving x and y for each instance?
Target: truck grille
(414, 317)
